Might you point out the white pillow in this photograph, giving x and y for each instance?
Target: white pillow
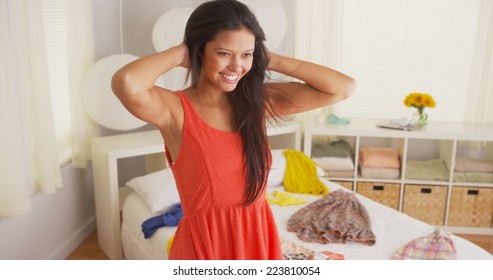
(157, 189)
(278, 169)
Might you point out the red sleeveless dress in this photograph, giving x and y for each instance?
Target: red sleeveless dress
(210, 178)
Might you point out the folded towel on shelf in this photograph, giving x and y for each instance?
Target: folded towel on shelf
(378, 157)
(338, 148)
(464, 164)
(333, 119)
(340, 174)
(380, 173)
(473, 177)
(433, 169)
(334, 163)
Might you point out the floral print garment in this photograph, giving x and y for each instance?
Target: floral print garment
(335, 218)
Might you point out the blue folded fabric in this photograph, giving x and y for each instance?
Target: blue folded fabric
(333, 119)
(170, 218)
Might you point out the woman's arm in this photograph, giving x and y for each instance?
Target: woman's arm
(134, 85)
(321, 86)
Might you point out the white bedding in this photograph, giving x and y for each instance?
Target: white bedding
(135, 246)
(392, 229)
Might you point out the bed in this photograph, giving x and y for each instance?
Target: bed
(120, 234)
(392, 229)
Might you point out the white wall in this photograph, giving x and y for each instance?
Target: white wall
(58, 223)
(394, 47)
(139, 17)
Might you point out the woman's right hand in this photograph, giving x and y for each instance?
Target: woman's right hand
(184, 53)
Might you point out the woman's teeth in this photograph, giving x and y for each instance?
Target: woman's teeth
(230, 77)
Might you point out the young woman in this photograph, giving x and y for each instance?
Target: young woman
(214, 130)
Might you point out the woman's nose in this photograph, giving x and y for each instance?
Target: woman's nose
(235, 63)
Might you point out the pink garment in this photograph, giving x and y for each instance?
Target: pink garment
(436, 246)
(378, 157)
(210, 178)
(464, 164)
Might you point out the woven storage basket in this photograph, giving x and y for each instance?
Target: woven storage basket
(346, 184)
(471, 207)
(384, 193)
(426, 203)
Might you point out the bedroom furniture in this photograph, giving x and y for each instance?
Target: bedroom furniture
(392, 229)
(109, 197)
(442, 199)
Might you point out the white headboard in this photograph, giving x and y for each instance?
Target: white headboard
(106, 151)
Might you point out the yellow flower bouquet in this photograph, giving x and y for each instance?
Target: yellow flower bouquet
(419, 101)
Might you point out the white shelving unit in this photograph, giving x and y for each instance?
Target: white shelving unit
(438, 140)
(109, 195)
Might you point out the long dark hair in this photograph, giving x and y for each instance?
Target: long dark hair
(248, 100)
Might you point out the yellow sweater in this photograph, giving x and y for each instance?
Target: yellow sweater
(301, 174)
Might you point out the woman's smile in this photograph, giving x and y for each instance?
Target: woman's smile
(232, 78)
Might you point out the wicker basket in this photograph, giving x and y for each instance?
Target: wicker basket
(471, 207)
(384, 193)
(346, 184)
(426, 203)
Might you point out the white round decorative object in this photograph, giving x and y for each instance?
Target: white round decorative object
(404, 121)
(98, 99)
(169, 29)
(272, 18)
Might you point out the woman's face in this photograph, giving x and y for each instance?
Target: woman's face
(227, 58)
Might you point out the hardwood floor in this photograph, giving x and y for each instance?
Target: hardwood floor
(90, 250)
(483, 241)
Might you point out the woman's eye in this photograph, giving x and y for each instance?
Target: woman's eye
(247, 55)
(223, 53)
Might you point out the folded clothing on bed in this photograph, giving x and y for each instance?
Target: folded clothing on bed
(283, 199)
(293, 251)
(436, 246)
(335, 218)
(301, 174)
(170, 218)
